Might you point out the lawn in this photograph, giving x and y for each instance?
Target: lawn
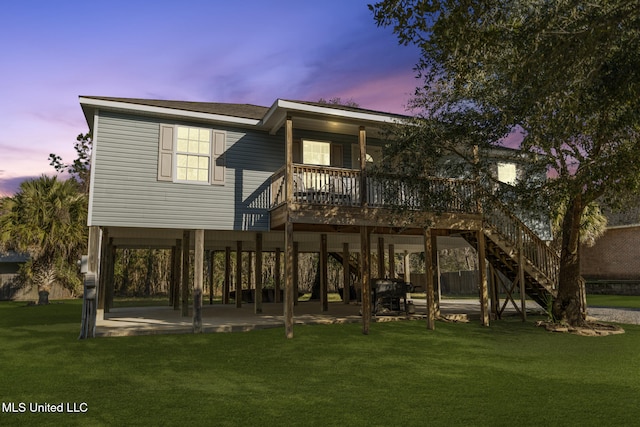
(511, 373)
(622, 301)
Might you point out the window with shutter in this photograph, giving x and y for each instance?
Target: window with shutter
(191, 154)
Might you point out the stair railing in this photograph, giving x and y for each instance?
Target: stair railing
(499, 219)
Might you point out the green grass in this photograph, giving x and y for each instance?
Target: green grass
(622, 301)
(511, 373)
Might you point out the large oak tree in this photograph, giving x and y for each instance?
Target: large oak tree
(565, 74)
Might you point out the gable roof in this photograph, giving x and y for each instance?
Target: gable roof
(239, 114)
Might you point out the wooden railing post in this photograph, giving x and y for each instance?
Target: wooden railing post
(523, 291)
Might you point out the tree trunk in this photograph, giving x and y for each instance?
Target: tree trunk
(568, 305)
(43, 295)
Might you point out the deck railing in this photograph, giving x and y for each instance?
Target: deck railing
(342, 187)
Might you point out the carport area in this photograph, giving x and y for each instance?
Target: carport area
(124, 321)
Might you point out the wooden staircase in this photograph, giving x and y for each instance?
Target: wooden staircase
(517, 252)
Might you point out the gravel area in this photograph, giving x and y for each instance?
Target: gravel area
(627, 316)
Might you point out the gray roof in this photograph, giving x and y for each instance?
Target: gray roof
(345, 108)
(246, 111)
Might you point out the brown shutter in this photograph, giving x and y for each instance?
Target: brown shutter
(336, 155)
(297, 151)
(165, 153)
(218, 158)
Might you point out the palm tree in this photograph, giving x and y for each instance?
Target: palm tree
(46, 218)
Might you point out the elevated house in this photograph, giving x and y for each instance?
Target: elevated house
(287, 178)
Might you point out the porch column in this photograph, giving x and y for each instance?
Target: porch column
(362, 142)
(290, 270)
(277, 280)
(392, 261)
(381, 258)
(239, 274)
(186, 245)
(523, 291)
(482, 270)
(346, 289)
(324, 303)
(365, 274)
(258, 274)
(212, 265)
(102, 282)
(428, 269)
(437, 280)
(407, 267)
(198, 279)
(250, 270)
(227, 275)
(296, 273)
(89, 304)
(177, 273)
(493, 292)
(110, 277)
(172, 274)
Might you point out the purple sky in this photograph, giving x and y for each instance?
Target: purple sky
(244, 51)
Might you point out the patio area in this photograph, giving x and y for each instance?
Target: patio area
(124, 321)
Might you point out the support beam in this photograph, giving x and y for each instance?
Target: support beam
(172, 274)
(212, 275)
(296, 272)
(289, 249)
(381, 258)
(277, 279)
(523, 290)
(250, 270)
(289, 266)
(493, 292)
(258, 274)
(365, 274)
(102, 281)
(346, 288)
(437, 280)
(392, 261)
(198, 280)
(482, 271)
(177, 273)
(89, 302)
(110, 277)
(362, 143)
(239, 274)
(428, 268)
(324, 302)
(407, 266)
(186, 245)
(226, 286)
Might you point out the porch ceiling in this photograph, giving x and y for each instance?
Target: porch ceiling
(326, 118)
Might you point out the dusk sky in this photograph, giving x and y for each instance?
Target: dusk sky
(242, 51)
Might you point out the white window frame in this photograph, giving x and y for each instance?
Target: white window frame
(507, 172)
(315, 141)
(178, 153)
